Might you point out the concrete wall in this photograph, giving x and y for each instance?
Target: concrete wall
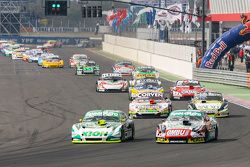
(171, 58)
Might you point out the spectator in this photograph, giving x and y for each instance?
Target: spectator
(97, 28)
(199, 60)
(241, 55)
(231, 60)
(248, 61)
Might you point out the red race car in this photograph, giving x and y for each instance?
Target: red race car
(185, 89)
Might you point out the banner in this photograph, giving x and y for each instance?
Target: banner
(223, 44)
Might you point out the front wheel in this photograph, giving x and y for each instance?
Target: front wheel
(133, 134)
(216, 133)
(122, 138)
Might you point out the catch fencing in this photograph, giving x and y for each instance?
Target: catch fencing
(222, 77)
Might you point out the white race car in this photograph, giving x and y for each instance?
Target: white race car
(150, 104)
(111, 82)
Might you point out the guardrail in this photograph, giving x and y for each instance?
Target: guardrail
(222, 76)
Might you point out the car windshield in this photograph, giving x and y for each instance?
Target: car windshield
(188, 83)
(90, 64)
(54, 59)
(114, 78)
(147, 70)
(124, 64)
(148, 85)
(217, 97)
(107, 116)
(182, 118)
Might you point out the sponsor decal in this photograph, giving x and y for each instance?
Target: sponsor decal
(111, 75)
(150, 94)
(95, 133)
(188, 92)
(148, 80)
(92, 114)
(177, 132)
(187, 113)
(145, 75)
(215, 54)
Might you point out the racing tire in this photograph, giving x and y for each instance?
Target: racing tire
(216, 133)
(122, 138)
(206, 136)
(133, 134)
(97, 90)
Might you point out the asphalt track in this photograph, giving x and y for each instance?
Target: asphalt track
(38, 107)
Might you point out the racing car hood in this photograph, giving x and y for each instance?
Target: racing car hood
(146, 104)
(209, 104)
(188, 89)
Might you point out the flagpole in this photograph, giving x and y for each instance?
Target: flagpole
(203, 27)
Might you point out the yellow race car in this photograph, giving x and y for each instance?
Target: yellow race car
(53, 62)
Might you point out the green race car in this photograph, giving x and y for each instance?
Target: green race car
(145, 72)
(89, 67)
(103, 126)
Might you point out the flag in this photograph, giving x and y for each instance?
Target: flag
(195, 18)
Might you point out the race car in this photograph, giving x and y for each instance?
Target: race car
(145, 87)
(211, 103)
(52, 44)
(143, 80)
(77, 58)
(123, 67)
(103, 126)
(111, 82)
(54, 62)
(145, 72)
(89, 67)
(184, 89)
(187, 126)
(150, 105)
(45, 56)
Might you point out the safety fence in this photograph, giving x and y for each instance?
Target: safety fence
(222, 77)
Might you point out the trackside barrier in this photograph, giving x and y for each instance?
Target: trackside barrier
(222, 77)
(171, 58)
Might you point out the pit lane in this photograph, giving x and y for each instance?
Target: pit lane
(38, 107)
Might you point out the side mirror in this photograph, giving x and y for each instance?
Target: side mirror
(80, 120)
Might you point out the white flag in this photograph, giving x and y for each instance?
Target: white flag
(195, 18)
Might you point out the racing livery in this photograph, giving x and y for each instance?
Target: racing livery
(123, 67)
(103, 126)
(145, 87)
(53, 62)
(185, 89)
(90, 67)
(145, 72)
(77, 58)
(143, 80)
(187, 126)
(150, 104)
(212, 103)
(111, 82)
